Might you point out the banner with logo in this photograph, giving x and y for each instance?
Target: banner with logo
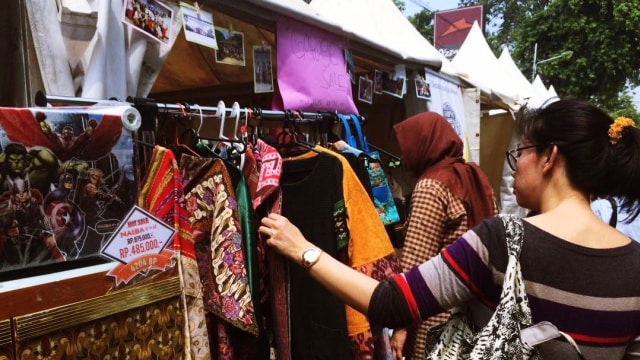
(446, 100)
(452, 26)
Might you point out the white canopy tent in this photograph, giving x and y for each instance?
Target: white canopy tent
(540, 88)
(479, 66)
(527, 93)
(108, 60)
(300, 10)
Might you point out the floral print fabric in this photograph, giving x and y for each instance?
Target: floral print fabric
(219, 248)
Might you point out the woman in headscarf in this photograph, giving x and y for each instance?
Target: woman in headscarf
(449, 197)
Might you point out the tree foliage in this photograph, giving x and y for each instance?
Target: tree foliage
(399, 4)
(423, 22)
(602, 34)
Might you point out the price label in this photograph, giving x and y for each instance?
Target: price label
(139, 234)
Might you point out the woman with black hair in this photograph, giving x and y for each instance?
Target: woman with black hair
(580, 273)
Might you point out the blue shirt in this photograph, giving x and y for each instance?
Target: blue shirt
(603, 210)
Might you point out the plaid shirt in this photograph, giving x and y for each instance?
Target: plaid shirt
(436, 219)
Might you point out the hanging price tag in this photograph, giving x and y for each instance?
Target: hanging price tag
(139, 245)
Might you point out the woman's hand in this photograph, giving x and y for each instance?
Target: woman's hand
(349, 285)
(398, 339)
(284, 237)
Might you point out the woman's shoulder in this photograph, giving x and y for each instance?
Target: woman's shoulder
(491, 227)
(431, 185)
(490, 232)
(434, 190)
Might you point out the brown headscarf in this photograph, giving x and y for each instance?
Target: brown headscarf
(430, 148)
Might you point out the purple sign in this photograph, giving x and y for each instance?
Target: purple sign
(312, 74)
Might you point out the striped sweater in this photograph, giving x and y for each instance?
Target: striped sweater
(591, 294)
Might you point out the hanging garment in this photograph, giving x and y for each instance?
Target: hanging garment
(269, 166)
(367, 248)
(312, 198)
(161, 195)
(213, 209)
(263, 168)
(247, 345)
(359, 169)
(370, 252)
(382, 195)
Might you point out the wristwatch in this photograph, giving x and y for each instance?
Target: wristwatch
(310, 257)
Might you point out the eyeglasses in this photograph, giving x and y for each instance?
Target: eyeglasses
(514, 155)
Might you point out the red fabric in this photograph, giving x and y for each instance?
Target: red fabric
(269, 169)
(413, 305)
(21, 126)
(164, 201)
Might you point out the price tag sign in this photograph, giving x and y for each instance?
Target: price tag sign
(139, 245)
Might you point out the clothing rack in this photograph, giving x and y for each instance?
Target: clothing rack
(149, 108)
(143, 104)
(390, 155)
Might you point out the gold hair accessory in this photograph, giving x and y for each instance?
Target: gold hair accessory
(615, 129)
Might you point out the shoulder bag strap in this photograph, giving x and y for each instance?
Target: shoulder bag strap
(543, 332)
(346, 131)
(361, 139)
(513, 232)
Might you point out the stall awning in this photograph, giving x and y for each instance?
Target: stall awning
(380, 24)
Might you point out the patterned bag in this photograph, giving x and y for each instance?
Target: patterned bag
(382, 196)
(500, 338)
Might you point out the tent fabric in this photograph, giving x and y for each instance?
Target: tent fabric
(523, 87)
(380, 24)
(532, 95)
(108, 64)
(50, 47)
(301, 11)
(480, 66)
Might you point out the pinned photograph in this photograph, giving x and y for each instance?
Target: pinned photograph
(365, 90)
(377, 82)
(198, 26)
(351, 67)
(262, 69)
(393, 84)
(151, 17)
(230, 47)
(422, 89)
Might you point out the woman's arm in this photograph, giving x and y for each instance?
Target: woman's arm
(349, 285)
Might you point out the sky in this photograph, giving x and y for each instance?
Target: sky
(412, 7)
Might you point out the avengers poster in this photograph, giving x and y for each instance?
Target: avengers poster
(66, 182)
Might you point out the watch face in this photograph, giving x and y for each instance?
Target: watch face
(310, 256)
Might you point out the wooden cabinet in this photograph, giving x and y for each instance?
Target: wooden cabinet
(85, 318)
